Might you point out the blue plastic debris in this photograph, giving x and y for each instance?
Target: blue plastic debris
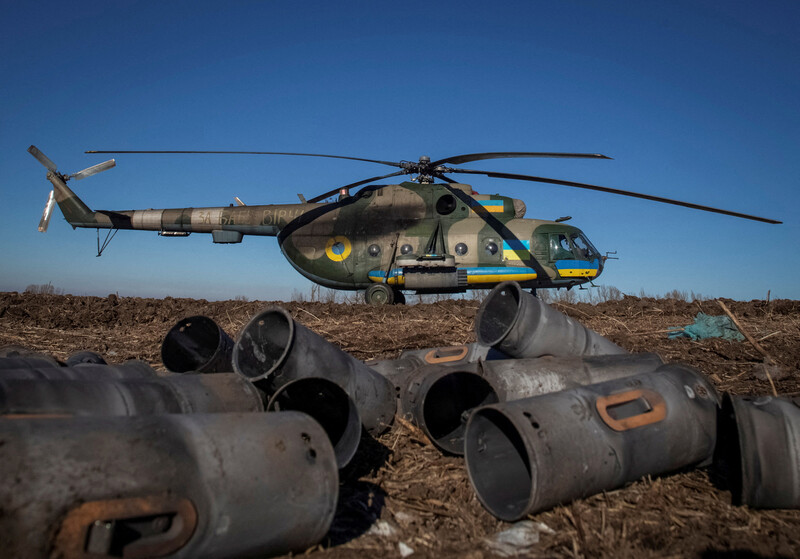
(706, 326)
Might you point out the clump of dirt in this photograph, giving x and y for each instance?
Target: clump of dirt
(400, 489)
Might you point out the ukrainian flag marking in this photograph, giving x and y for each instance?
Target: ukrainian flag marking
(492, 206)
(516, 250)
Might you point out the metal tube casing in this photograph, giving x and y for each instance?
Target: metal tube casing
(38, 361)
(413, 359)
(520, 325)
(225, 392)
(439, 398)
(197, 344)
(329, 405)
(84, 356)
(458, 354)
(515, 379)
(84, 371)
(15, 351)
(183, 486)
(273, 350)
(530, 455)
(759, 442)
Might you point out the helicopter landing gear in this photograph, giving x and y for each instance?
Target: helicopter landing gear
(379, 294)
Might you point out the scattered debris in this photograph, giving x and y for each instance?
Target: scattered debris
(706, 326)
(520, 539)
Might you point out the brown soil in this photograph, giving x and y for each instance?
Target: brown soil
(423, 498)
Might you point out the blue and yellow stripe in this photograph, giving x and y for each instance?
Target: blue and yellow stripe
(492, 206)
(516, 250)
(577, 268)
(478, 275)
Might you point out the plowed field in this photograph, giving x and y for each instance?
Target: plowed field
(401, 493)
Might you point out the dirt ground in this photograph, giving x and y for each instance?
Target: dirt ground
(400, 493)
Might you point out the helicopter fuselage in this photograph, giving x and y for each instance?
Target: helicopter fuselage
(425, 238)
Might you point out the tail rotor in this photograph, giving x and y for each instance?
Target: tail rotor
(50, 166)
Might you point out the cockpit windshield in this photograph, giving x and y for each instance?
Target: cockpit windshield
(571, 246)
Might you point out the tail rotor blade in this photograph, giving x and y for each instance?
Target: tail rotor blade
(94, 169)
(42, 158)
(48, 211)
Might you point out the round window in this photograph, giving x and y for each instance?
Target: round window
(461, 249)
(446, 204)
(374, 250)
(406, 249)
(491, 248)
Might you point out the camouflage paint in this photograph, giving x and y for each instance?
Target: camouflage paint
(329, 243)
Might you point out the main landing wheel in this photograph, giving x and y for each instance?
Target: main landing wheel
(379, 294)
(399, 298)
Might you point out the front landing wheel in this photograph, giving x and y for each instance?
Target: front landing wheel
(379, 294)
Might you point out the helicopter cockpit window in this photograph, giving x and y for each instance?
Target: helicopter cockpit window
(461, 249)
(559, 247)
(374, 250)
(491, 248)
(406, 249)
(446, 204)
(572, 246)
(583, 248)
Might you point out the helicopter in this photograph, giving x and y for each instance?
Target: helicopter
(419, 235)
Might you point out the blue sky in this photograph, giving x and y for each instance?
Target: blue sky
(696, 101)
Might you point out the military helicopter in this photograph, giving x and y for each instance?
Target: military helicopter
(420, 235)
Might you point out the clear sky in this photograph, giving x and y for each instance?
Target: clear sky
(694, 100)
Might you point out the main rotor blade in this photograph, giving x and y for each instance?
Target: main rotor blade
(390, 163)
(94, 169)
(42, 158)
(353, 185)
(615, 191)
(466, 158)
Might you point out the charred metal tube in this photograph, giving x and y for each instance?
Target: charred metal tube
(38, 361)
(515, 379)
(412, 359)
(22, 398)
(458, 354)
(197, 344)
(80, 357)
(530, 455)
(520, 325)
(183, 486)
(83, 371)
(329, 404)
(273, 350)
(759, 443)
(13, 351)
(439, 399)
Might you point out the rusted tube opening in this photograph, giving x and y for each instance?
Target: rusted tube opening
(446, 405)
(330, 405)
(498, 313)
(196, 343)
(498, 464)
(264, 344)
